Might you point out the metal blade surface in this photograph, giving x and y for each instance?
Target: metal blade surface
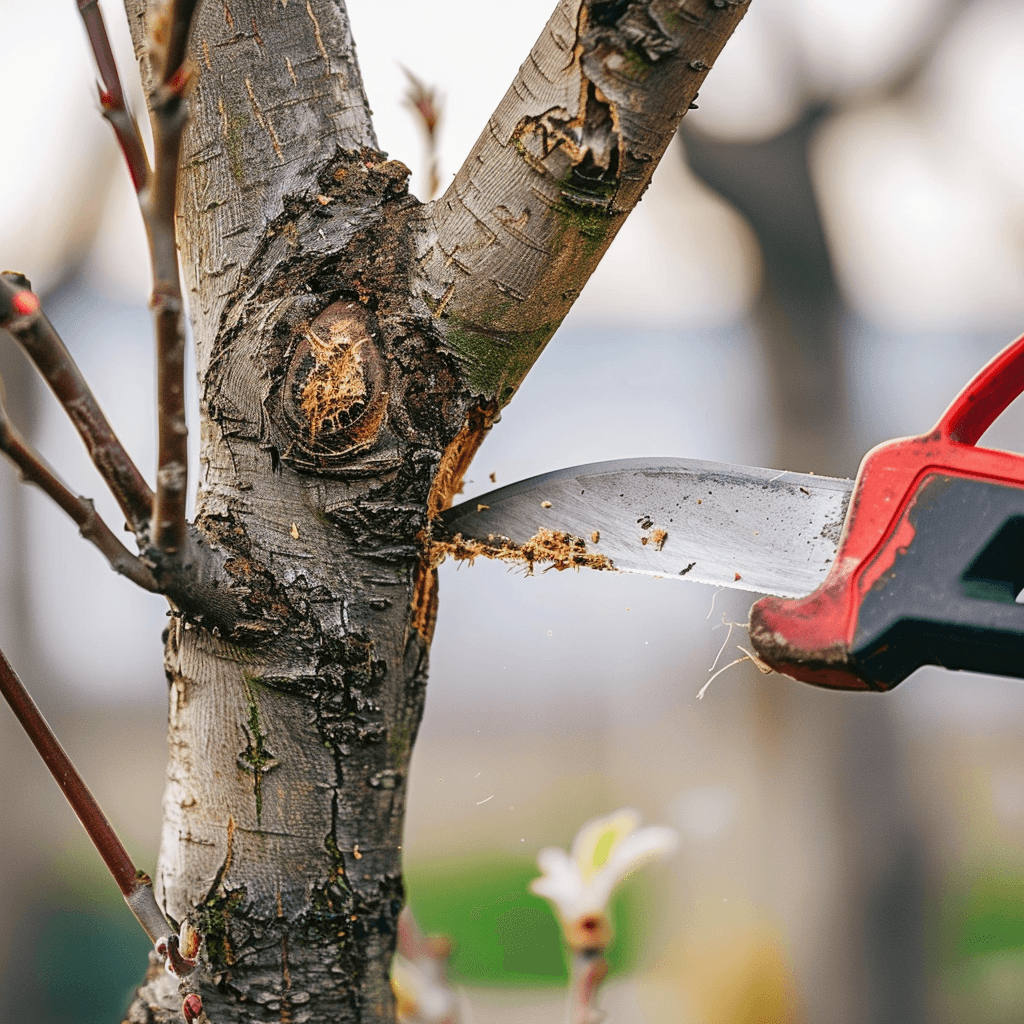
(762, 530)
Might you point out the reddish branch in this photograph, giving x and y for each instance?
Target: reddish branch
(179, 22)
(157, 191)
(115, 109)
(134, 885)
(21, 315)
(169, 113)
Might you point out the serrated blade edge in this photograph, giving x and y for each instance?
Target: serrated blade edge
(763, 530)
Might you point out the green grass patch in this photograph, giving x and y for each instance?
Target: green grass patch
(503, 934)
(984, 917)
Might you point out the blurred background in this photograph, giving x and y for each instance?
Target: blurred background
(827, 253)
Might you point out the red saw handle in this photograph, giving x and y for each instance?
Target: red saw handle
(926, 571)
(985, 398)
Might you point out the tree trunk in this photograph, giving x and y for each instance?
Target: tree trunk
(353, 346)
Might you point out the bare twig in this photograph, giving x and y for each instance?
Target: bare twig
(21, 315)
(169, 112)
(589, 969)
(427, 107)
(157, 191)
(34, 469)
(135, 885)
(115, 110)
(177, 30)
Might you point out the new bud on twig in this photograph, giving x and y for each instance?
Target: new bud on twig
(579, 884)
(422, 994)
(192, 1008)
(25, 304)
(427, 106)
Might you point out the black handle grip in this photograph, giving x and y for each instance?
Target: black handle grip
(949, 597)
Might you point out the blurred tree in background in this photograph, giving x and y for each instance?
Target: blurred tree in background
(876, 264)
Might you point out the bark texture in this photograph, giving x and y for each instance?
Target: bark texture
(353, 347)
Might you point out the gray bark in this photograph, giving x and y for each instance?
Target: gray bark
(353, 347)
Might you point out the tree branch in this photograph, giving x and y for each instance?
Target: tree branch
(565, 157)
(21, 315)
(112, 100)
(34, 469)
(135, 886)
(169, 113)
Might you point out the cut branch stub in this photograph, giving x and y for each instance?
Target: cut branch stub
(333, 401)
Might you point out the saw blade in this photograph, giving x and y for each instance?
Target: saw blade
(762, 530)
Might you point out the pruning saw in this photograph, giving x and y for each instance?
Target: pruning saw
(918, 561)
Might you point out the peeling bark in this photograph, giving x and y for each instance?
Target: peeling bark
(353, 348)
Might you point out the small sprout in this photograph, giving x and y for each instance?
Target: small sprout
(180, 952)
(418, 980)
(579, 884)
(545, 504)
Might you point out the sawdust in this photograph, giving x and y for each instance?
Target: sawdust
(447, 483)
(656, 539)
(552, 548)
(424, 599)
(457, 457)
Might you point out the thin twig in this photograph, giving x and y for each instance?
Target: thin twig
(135, 885)
(589, 969)
(427, 107)
(115, 110)
(35, 470)
(177, 37)
(21, 315)
(169, 113)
